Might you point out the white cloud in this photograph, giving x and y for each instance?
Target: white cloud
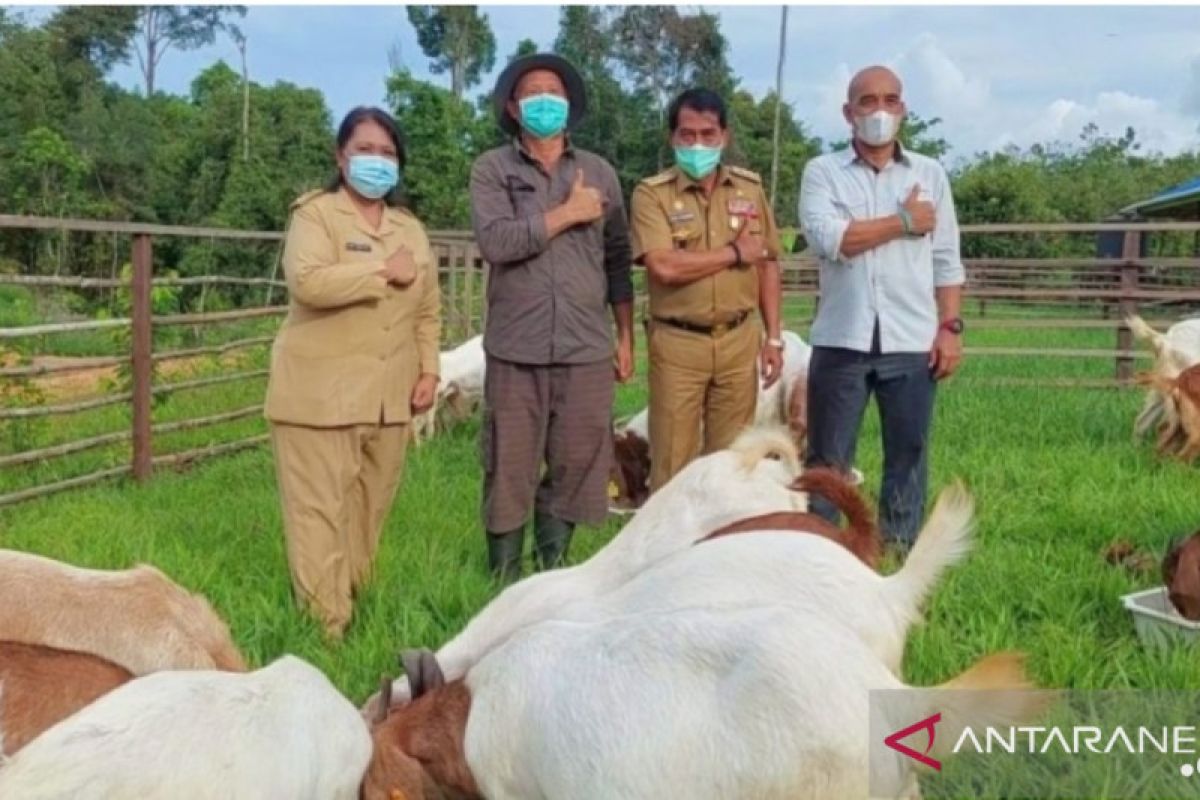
(938, 80)
(974, 117)
(1159, 127)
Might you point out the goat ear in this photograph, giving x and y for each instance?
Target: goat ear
(385, 699)
(423, 671)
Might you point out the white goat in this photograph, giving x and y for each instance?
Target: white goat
(462, 374)
(808, 572)
(752, 477)
(283, 732)
(763, 702)
(137, 618)
(1174, 351)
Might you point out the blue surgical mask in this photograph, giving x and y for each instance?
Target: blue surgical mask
(697, 161)
(544, 115)
(372, 176)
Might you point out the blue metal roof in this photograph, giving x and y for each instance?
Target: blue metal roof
(1185, 193)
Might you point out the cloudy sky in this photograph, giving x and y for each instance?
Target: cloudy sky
(995, 75)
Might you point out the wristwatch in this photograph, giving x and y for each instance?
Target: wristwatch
(775, 343)
(954, 325)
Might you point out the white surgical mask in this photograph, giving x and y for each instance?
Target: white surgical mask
(877, 128)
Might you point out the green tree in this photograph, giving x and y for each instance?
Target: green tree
(525, 47)
(917, 134)
(98, 35)
(443, 135)
(662, 52)
(619, 128)
(753, 122)
(456, 39)
(181, 27)
(45, 175)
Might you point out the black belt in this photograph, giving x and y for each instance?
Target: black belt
(707, 330)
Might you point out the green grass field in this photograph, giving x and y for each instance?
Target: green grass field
(1054, 471)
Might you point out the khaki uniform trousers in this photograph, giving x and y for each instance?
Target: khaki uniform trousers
(697, 379)
(336, 486)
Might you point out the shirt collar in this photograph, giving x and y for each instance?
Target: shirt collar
(523, 151)
(850, 156)
(683, 183)
(344, 205)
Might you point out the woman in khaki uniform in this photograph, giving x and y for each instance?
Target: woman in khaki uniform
(355, 359)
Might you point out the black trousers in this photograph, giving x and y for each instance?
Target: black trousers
(840, 382)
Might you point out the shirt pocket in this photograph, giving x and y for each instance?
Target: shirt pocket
(523, 196)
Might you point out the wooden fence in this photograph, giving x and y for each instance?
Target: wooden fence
(461, 275)
(1098, 293)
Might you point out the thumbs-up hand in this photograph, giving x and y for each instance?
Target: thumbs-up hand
(924, 218)
(585, 203)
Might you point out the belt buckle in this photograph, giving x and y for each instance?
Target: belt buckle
(720, 329)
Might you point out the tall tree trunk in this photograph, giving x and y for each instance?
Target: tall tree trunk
(458, 78)
(778, 103)
(245, 102)
(151, 32)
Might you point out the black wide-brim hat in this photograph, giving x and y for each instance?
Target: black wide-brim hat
(572, 82)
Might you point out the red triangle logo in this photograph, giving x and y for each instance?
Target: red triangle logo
(928, 723)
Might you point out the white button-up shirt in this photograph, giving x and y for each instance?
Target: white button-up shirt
(894, 282)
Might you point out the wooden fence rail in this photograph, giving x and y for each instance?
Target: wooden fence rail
(1130, 283)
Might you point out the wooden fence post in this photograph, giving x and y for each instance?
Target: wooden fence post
(472, 258)
(1130, 253)
(141, 355)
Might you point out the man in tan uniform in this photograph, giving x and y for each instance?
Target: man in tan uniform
(355, 358)
(707, 237)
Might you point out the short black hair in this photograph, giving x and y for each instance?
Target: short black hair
(383, 119)
(700, 100)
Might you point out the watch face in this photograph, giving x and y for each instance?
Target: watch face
(955, 326)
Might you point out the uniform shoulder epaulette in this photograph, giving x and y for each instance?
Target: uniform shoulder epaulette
(742, 172)
(306, 198)
(665, 176)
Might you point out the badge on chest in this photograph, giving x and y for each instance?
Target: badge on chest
(358, 247)
(682, 221)
(741, 210)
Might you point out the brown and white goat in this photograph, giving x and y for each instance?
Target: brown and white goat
(1174, 351)
(137, 618)
(860, 536)
(39, 686)
(1181, 411)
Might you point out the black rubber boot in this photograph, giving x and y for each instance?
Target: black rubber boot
(552, 537)
(504, 554)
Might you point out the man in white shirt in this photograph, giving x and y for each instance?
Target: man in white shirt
(881, 220)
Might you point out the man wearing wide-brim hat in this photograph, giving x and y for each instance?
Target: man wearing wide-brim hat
(550, 220)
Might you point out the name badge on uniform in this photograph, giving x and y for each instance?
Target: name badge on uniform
(679, 217)
(358, 247)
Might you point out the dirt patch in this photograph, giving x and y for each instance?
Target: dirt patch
(87, 379)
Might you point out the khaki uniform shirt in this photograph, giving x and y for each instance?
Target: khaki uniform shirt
(352, 346)
(670, 211)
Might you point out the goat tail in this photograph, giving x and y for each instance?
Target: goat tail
(862, 534)
(994, 692)
(767, 441)
(943, 541)
(1142, 330)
